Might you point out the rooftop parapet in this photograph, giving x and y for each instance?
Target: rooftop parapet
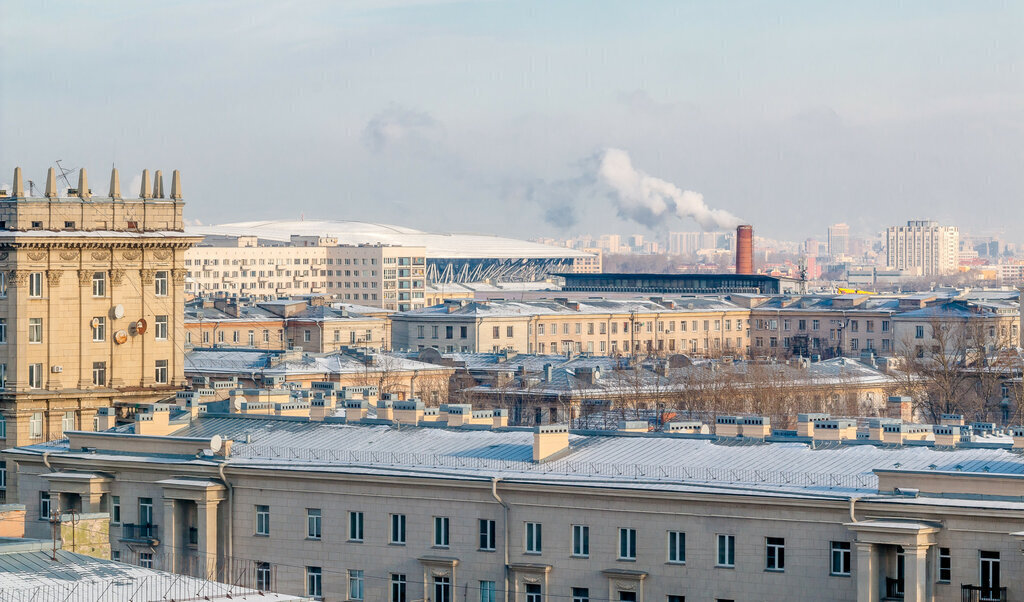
(80, 210)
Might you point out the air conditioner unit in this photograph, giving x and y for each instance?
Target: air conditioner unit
(56, 369)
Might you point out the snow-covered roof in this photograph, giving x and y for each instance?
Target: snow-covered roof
(438, 245)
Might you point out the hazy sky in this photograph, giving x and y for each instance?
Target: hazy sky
(487, 116)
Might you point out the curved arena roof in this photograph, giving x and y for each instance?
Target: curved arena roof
(438, 245)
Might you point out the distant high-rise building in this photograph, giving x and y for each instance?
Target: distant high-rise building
(812, 247)
(923, 248)
(838, 240)
(688, 243)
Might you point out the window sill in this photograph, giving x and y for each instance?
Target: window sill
(314, 539)
(626, 559)
(396, 543)
(261, 534)
(440, 547)
(580, 556)
(676, 562)
(485, 550)
(354, 540)
(533, 553)
(775, 570)
(725, 566)
(839, 574)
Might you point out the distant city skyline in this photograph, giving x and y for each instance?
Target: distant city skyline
(487, 116)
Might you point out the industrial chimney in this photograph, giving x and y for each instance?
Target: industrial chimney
(745, 250)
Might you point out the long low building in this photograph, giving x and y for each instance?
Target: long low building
(372, 511)
(696, 325)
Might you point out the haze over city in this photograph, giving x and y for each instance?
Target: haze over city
(491, 116)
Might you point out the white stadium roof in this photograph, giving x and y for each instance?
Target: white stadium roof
(438, 245)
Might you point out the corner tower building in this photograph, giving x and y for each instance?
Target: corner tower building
(91, 303)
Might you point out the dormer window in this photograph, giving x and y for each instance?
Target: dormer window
(37, 225)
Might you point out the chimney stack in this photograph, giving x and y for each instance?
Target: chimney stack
(176, 185)
(158, 185)
(19, 184)
(745, 249)
(144, 193)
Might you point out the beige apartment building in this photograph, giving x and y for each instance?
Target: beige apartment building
(706, 326)
(91, 301)
(383, 276)
(309, 325)
(458, 509)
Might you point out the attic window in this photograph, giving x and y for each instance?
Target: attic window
(69, 225)
(133, 225)
(37, 224)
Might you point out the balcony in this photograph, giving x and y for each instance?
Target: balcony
(978, 593)
(893, 589)
(139, 533)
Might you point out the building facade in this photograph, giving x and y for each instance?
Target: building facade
(371, 512)
(923, 248)
(838, 240)
(91, 303)
(383, 276)
(658, 326)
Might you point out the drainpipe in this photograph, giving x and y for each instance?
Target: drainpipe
(853, 501)
(494, 493)
(231, 499)
(46, 460)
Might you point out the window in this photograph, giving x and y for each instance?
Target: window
(487, 591)
(533, 592)
(160, 329)
(989, 569)
(35, 380)
(355, 585)
(627, 544)
(306, 336)
(534, 543)
(775, 554)
(581, 541)
(442, 589)
(496, 331)
(160, 375)
(726, 551)
(487, 532)
(355, 526)
(398, 584)
(146, 560)
(160, 284)
(945, 566)
(580, 594)
(99, 284)
(677, 547)
(3, 330)
(672, 598)
(99, 374)
(919, 332)
(44, 505)
(99, 329)
(3, 281)
(35, 330)
(314, 521)
(262, 520)
(314, 581)
(115, 555)
(840, 558)
(508, 331)
(115, 510)
(440, 531)
(3, 427)
(397, 529)
(67, 422)
(146, 512)
(35, 284)
(35, 421)
(263, 576)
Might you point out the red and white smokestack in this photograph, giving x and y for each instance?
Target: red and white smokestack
(745, 250)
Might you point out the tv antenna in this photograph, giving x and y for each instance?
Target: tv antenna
(64, 173)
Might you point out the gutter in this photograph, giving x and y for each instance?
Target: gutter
(231, 499)
(494, 493)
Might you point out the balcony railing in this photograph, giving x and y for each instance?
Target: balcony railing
(977, 593)
(893, 589)
(139, 533)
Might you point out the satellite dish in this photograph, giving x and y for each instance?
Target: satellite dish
(215, 443)
(95, 322)
(237, 403)
(120, 337)
(118, 311)
(140, 326)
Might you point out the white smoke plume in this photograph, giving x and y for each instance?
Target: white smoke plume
(648, 200)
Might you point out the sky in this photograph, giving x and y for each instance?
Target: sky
(494, 117)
